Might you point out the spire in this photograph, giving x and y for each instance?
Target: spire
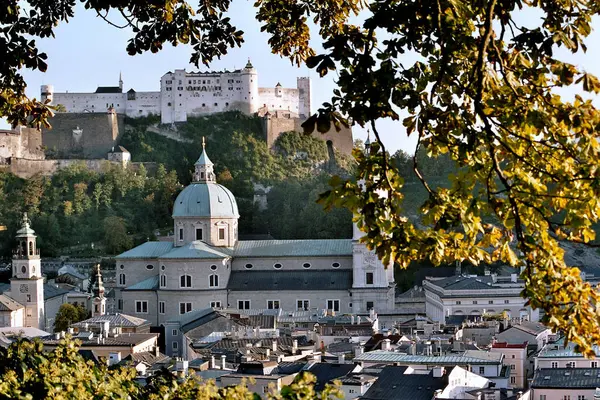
(249, 64)
(98, 285)
(204, 167)
(120, 81)
(368, 141)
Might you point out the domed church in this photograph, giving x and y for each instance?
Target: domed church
(207, 266)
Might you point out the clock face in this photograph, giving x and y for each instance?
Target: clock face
(370, 259)
(24, 288)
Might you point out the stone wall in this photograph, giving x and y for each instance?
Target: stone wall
(274, 124)
(22, 142)
(25, 168)
(83, 135)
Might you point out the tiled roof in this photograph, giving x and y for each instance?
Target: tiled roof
(121, 320)
(146, 357)
(306, 280)
(71, 270)
(463, 283)
(394, 384)
(196, 249)
(379, 356)
(559, 350)
(8, 304)
(567, 378)
(294, 248)
(147, 284)
(126, 339)
(325, 372)
(147, 250)
(190, 316)
(109, 89)
(534, 328)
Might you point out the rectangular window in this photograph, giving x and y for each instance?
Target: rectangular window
(141, 307)
(474, 301)
(567, 397)
(581, 397)
(594, 364)
(491, 302)
(481, 370)
(554, 364)
(513, 380)
(512, 356)
(29, 298)
(506, 301)
(512, 366)
(120, 304)
(213, 280)
(302, 305)
(198, 233)
(458, 302)
(369, 278)
(571, 364)
(215, 304)
(180, 234)
(161, 307)
(273, 304)
(163, 281)
(174, 332)
(174, 345)
(243, 304)
(221, 233)
(369, 305)
(185, 308)
(333, 305)
(542, 397)
(185, 281)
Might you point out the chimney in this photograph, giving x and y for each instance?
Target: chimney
(386, 345)
(213, 363)
(294, 346)
(412, 350)
(274, 345)
(223, 357)
(358, 350)
(438, 372)
(181, 366)
(358, 320)
(341, 359)
(268, 354)
(156, 351)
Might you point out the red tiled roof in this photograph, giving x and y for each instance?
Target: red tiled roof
(504, 345)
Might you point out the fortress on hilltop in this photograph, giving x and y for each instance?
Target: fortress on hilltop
(184, 94)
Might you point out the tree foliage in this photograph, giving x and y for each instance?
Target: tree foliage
(482, 89)
(69, 314)
(27, 372)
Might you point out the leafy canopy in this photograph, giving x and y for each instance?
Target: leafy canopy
(482, 89)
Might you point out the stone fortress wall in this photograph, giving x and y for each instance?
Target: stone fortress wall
(83, 135)
(22, 142)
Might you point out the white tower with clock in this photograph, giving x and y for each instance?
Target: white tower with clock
(27, 283)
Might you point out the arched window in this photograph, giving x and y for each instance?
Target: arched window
(163, 281)
(185, 281)
(30, 248)
(121, 279)
(213, 280)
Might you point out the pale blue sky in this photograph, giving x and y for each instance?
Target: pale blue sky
(87, 52)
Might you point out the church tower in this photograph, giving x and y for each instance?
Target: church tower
(373, 285)
(98, 301)
(27, 284)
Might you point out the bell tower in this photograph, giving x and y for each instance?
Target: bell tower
(204, 168)
(27, 283)
(98, 301)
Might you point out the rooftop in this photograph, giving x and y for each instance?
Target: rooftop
(294, 248)
(464, 283)
(394, 384)
(566, 378)
(123, 340)
(122, 320)
(8, 304)
(109, 89)
(147, 284)
(380, 356)
(504, 345)
(147, 250)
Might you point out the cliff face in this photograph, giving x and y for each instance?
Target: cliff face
(82, 135)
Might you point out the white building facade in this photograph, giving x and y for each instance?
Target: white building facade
(183, 94)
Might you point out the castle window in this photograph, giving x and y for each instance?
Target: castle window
(121, 279)
(221, 233)
(198, 233)
(180, 234)
(335, 265)
(277, 266)
(161, 307)
(369, 278)
(185, 281)
(163, 281)
(149, 267)
(306, 265)
(249, 266)
(213, 280)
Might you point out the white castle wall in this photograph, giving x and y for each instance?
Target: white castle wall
(192, 93)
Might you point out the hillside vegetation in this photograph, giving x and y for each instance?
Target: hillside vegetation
(82, 212)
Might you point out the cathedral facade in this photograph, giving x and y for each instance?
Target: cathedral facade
(184, 94)
(207, 266)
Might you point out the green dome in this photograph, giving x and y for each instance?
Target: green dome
(205, 200)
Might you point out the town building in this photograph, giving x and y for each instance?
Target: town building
(559, 355)
(207, 266)
(476, 296)
(515, 357)
(566, 384)
(184, 94)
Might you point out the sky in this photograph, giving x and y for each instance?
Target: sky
(88, 52)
